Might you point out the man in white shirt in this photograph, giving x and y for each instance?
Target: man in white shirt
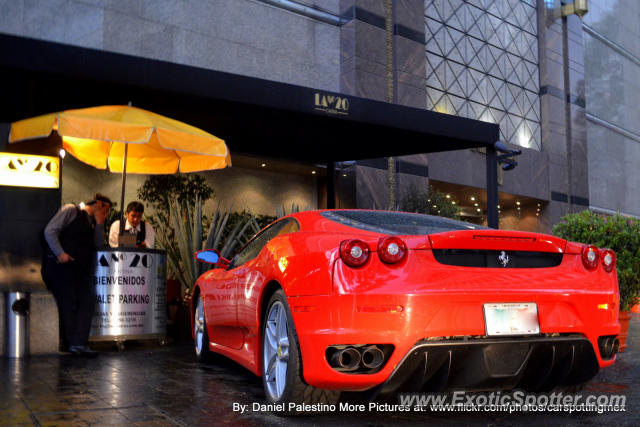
(145, 235)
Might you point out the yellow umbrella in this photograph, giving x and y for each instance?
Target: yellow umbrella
(127, 139)
(99, 136)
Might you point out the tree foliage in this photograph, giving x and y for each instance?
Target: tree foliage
(618, 233)
(431, 201)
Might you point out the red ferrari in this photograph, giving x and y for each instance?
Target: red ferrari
(352, 300)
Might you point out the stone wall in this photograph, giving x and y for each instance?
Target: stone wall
(612, 90)
(246, 37)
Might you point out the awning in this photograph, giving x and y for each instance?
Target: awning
(254, 116)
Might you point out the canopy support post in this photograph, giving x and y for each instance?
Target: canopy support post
(331, 185)
(492, 188)
(124, 181)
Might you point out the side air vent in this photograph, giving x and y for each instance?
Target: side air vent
(497, 259)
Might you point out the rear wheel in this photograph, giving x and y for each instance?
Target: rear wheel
(281, 361)
(200, 334)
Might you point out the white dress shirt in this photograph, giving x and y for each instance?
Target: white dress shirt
(150, 234)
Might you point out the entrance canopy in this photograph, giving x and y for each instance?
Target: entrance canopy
(253, 116)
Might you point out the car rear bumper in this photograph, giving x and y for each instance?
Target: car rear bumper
(534, 364)
(569, 324)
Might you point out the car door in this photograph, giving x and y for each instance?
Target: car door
(251, 277)
(222, 305)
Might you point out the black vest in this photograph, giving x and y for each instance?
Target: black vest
(142, 234)
(77, 238)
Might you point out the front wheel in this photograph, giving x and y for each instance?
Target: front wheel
(281, 361)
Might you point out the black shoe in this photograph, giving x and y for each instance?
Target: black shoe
(81, 350)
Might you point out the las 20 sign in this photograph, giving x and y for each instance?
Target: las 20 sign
(331, 104)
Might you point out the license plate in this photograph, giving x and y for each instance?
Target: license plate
(511, 318)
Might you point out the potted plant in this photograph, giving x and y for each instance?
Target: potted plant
(224, 235)
(622, 235)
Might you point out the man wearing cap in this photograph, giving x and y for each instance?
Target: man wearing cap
(73, 235)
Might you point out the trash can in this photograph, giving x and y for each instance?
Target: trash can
(17, 324)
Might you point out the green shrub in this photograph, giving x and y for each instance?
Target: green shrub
(431, 202)
(618, 233)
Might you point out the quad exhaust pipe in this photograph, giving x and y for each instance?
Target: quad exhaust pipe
(609, 346)
(372, 357)
(348, 359)
(362, 358)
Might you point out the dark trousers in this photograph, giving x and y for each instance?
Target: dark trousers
(75, 294)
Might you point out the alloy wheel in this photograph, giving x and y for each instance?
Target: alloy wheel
(198, 326)
(276, 351)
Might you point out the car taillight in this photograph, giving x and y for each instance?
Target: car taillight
(391, 250)
(590, 257)
(608, 260)
(354, 253)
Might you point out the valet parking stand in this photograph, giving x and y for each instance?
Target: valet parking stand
(131, 287)
(130, 283)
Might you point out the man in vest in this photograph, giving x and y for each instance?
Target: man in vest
(145, 235)
(73, 235)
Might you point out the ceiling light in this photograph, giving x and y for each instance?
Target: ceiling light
(313, 172)
(473, 199)
(263, 165)
(475, 204)
(518, 203)
(478, 210)
(448, 196)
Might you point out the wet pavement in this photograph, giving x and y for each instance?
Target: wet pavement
(151, 385)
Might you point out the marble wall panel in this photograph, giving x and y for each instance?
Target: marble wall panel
(410, 95)
(370, 42)
(614, 176)
(558, 174)
(617, 20)
(410, 57)
(409, 13)
(611, 88)
(373, 6)
(555, 211)
(242, 37)
(579, 168)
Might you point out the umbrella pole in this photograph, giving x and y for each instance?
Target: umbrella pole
(124, 181)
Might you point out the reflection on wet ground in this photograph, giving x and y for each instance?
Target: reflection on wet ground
(151, 385)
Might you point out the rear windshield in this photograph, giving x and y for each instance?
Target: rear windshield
(398, 222)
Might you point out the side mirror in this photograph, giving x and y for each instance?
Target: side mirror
(211, 256)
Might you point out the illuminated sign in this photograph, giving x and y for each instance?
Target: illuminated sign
(331, 104)
(26, 170)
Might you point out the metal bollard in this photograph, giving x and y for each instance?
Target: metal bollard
(17, 324)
